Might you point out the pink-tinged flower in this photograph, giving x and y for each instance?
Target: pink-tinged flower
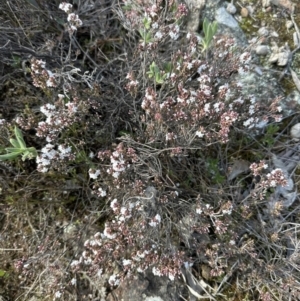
(66, 7)
(113, 280)
(155, 221)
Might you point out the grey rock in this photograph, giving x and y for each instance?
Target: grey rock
(283, 58)
(263, 31)
(295, 131)
(231, 8)
(223, 17)
(290, 103)
(195, 8)
(129, 289)
(262, 50)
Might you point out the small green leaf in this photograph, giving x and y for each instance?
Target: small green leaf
(158, 78)
(2, 273)
(147, 23)
(142, 33)
(168, 67)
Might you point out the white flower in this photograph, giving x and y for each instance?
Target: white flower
(206, 107)
(126, 262)
(154, 25)
(241, 71)
(101, 192)
(123, 210)
(113, 280)
(251, 109)
(66, 7)
(75, 263)
(116, 174)
(158, 35)
(57, 295)
(155, 221)
(249, 122)
(94, 173)
(239, 100)
(99, 273)
(190, 66)
(217, 107)
(156, 271)
(171, 277)
(244, 59)
(199, 211)
(174, 36)
(47, 109)
(199, 134)
(64, 149)
(73, 281)
(113, 204)
(71, 107)
(108, 235)
(72, 17)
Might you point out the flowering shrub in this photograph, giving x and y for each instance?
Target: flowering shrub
(148, 150)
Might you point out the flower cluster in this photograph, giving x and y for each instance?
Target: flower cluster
(257, 168)
(125, 239)
(52, 158)
(73, 19)
(210, 109)
(59, 117)
(120, 159)
(41, 76)
(276, 177)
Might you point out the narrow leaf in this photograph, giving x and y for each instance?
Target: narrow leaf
(19, 137)
(10, 156)
(205, 25)
(14, 150)
(14, 143)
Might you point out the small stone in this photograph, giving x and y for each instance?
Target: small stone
(244, 12)
(289, 24)
(296, 39)
(262, 50)
(284, 3)
(274, 34)
(273, 58)
(266, 3)
(283, 58)
(231, 8)
(250, 9)
(295, 131)
(263, 31)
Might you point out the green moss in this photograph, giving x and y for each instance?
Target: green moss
(250, 26)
